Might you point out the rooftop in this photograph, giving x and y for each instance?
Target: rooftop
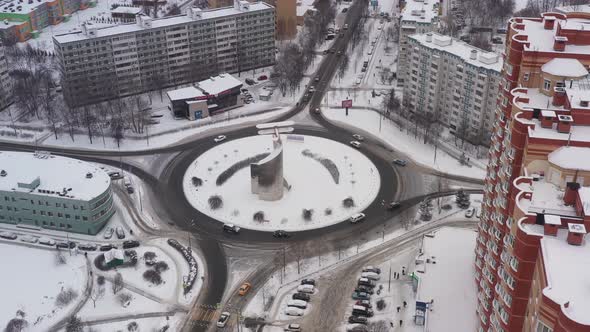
(420, 11)
(20, 7)
(488, 60)
(54, 174)
(541, 40)
(573, 9)
(571, 157)
(217, 84)
(184, 93)
(546, 198)
(576, 134)
(126, 10)
(565, 67)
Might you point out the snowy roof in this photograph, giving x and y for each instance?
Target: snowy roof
(7, 6)
(456, 47)
(113, 254)
(217, 84)
(536, 99)
(552, 219)
(571, 157)
(420, 11)
(567, 268)
(576, 228)
(184, 93)
(577, 96)
(126, 10)
(548, 114)
(565, 67)
(576, 134)
(546, 199)
(584, 193)
(161, 22)
(54, 174)
(541, 40)
(573, 9)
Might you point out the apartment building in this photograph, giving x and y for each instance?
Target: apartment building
(5, 81)
(40, 190)
(104, 63)
(417, 17)
(453, 83)
(532, 249)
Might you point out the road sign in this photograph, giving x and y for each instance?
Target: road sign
(347, 103)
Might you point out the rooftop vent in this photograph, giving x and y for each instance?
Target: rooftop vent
(584, 103)
(473, 55)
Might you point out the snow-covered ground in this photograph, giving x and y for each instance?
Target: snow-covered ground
(414, 148)
(31, 281)
(312, 186)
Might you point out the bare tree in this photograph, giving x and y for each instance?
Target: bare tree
(481, 41)
(97, 293)
(298, 252)
(118, 283)
(74, 324)
(343, 66)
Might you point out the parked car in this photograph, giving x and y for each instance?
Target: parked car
(223, 319)
(281, 234)
(357, 320)
(262, 78)
(317, 110)
(317, 79)
(46, 241)
(250, 81)
(372, 269)
(470, 212)
(355, 144)
(66, 245)
(308, 282)
(345, 9)
(400, 162)
(130, 190)
(393, 205)
(309, 289)
(358, 137)
(87, 246)
(219, 138)
(361, 311)
(301, 296)
(293, 328)
(29, 239)
(311, 89)
(120, 232)
(244, 289)
(8, 235)
(297, 304)
(366, 282)
(115, 175)
(130, 244)
(107, 247)
(292, 311)
(108, 233)
(370, 275)
(365, 289)
(357, 217)
(364, 303)
(231, 228)
(360, 296)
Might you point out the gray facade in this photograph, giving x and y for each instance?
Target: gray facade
(5, 81)
(267, 174)
(106, 63)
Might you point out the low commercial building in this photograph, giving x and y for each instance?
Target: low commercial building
(207, 97)
(41, 190)
(5, 81)
(104, 63)
(453, 83)
(125, 13)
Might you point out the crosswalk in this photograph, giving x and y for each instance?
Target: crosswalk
(205, 315)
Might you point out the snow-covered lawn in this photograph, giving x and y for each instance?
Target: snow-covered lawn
(31, 281)
(312, 186)
(415, 149)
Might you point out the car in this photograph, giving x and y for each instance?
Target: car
(29, 239)
(107, 247)
(130, 244)
(370, 52)
(219, 138)
(400, 162)
(309, 289)
(87, 246)
(262, 78)
(297, 304)
(65, 245)
(360, 296)
(362, 311)
(357, 217)
(244, 289)
(317, 110)
(120, 232)
(372, 269)
(339, 53)
(293, 328)
(130, 190)
(231, 228)
(250, 81)
(312, 89)
(381, 26)
(115, 175)
(308, 282)
(358, 137)
(478, 213)
(325, 52)
(357, 81)
(393, 205)
(306, 97)
(356, 144)
(223, 319)
(317, 79)
(292, 311)
(365, 289)
(370, 275)
(244, 90)
(366, 282)
(301, 296)
(331, 51)
(345, 27)
(470, 212)
(357, 320)
(46, 241)
(364, 303)
(8, 235)
(281, 234)
(108, 233)
(344, 10)
(364, 69)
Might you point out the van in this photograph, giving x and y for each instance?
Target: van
(357, 217)
(305, 289)
(292, 311)
(370, 275)
(297, 304)
(358, 310)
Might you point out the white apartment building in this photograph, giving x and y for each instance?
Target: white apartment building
(5, 81)
(453, 82)
(104, 63)
(417, 16)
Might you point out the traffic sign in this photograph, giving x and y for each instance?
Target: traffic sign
(347, 103)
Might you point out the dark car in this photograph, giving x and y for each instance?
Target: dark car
(364, 303)
(281, 234)
(339, 53)
(64, 245)
(87, 246)
(372, 269)
(308, 282)
(107, 247)
(262, 78)
(400, 162)
(231, 228)
(357, 320)
(130, 244)
(365, 289)
(344, 10)
(301, 296)
(250, 81)
(393, 205)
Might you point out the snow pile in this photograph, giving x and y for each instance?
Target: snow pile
(187, 254)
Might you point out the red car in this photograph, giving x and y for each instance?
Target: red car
(262, 78)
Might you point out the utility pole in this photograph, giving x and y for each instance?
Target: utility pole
(284, 262)
(139, 194)
(389, 284)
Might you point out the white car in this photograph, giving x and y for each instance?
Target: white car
(358, 137)
(356, 144)
(8, 235)
(470, 212)
(108, 233)
(306, 289)
(297, 304)
(358, 81)
(356, 218)
(223, 319)
(46, 241)
(219, 138)
(29, 239)
(370, 275)
(292, 311)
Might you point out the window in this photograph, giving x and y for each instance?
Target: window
(60, 215)
(547, 85)
(525, 77)
(67, 216)
(543, 328)
(85, 218)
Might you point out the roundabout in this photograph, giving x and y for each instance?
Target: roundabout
(325, 182)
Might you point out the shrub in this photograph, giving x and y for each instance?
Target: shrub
(161, 266)
(328, 211)
(65, 297)
(60, 258)
(327, 163)
(16, 325)
(307, 214)
(348, 202)
(149, 255)
(74, 324)
(196, 182)
(153, 276)
(381, 304)
(258, 216)
(215, 202)
(100, 280)
(233, 169)
(132, 327)
(124, 298)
